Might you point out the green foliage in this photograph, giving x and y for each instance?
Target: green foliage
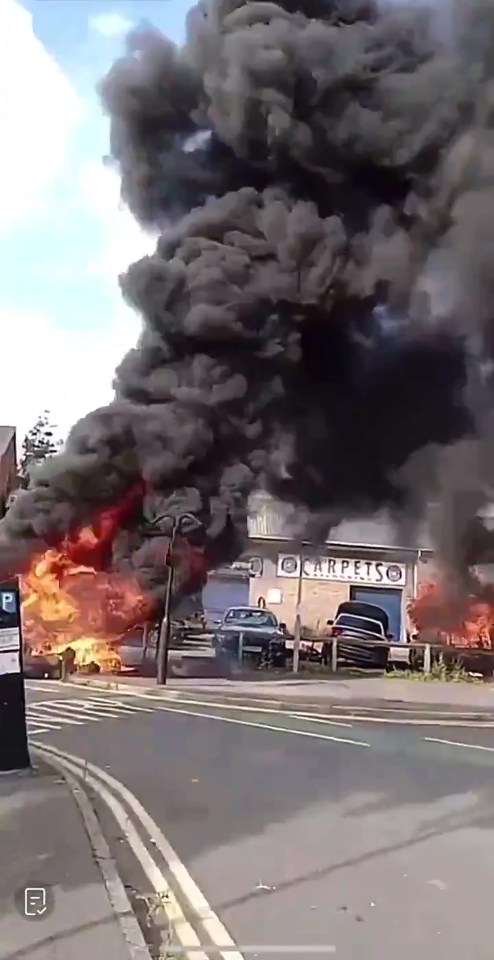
(442, 670)
(39, 443)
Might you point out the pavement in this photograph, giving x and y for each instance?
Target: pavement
(305, 835)
(46, 848)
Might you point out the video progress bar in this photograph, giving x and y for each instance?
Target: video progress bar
(319, 949)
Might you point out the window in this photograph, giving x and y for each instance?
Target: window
(251, 618)
(359, 623)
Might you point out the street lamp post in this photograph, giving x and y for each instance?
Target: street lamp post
(164, 632)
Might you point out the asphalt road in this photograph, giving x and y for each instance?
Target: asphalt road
(346, 841)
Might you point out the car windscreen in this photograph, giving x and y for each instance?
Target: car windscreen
(358, 623)
(250, 618)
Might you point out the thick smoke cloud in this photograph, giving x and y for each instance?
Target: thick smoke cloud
(317, 314)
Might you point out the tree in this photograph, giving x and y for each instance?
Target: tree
(39, 443)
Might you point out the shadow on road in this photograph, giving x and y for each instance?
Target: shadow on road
(209, 783)
(368, 857)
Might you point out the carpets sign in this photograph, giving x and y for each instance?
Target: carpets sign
(376, 573)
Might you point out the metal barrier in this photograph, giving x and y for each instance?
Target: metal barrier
(427, 648)
(426, 662)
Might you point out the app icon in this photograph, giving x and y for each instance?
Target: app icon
(35, 901)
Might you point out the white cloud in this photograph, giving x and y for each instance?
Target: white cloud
(68, 372)
(110, 24)
(122, 241)
(39, 110)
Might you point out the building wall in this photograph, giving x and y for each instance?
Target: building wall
(320, 598)
(8, 472)
(427, 570)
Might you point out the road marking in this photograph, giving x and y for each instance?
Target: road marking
(73, 715)
(34, 727)
(45, 712)
(85, 708)
(38, 684)
(182, 928)
(82, 707)
(132, 933)
(119, 705)
(176, 696)
(317, 719)
(457, 743)
(53, 714)
(103, 784)
(267, 726)
(332, 718)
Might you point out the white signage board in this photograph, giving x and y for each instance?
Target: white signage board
(274, 596)
(9, 662)
(252, 566)
(10, 638)
(375, 573)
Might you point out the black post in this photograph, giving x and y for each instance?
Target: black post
(164, 633)
(14, 751)
(165, 626)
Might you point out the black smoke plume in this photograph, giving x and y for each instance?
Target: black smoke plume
(317, 316)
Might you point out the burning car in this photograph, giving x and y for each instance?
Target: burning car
(41, 666)
(71, 600)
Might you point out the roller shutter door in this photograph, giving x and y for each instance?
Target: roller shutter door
(223, 592)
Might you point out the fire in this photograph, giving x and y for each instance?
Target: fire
(67, 601)
(457, 622)
(72, 605)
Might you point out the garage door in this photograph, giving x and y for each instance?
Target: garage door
(223, 592)
(389, 600)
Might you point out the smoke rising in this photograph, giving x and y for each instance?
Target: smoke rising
(317, 315)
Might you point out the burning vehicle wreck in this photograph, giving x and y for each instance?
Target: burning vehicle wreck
(75, 615)
(317, 314)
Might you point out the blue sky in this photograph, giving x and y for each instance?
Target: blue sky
(64, 236)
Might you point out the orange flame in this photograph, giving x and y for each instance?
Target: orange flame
(68, 602)
(467, 622)
(69, 605)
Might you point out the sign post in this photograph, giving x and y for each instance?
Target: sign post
(297, 628)
(14, 751)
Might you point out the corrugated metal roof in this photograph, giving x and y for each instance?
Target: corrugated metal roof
(6, 434)
(271, 520)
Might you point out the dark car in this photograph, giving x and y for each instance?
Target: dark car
(41, 667)
(252, 634)
(361, 631)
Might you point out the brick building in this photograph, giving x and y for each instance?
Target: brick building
(8, 465)
(364, 560)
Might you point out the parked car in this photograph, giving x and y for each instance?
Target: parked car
(360, 630)
(263, 637)
(39, 667)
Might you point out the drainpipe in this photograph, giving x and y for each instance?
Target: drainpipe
(298, 618)
(415, 574)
